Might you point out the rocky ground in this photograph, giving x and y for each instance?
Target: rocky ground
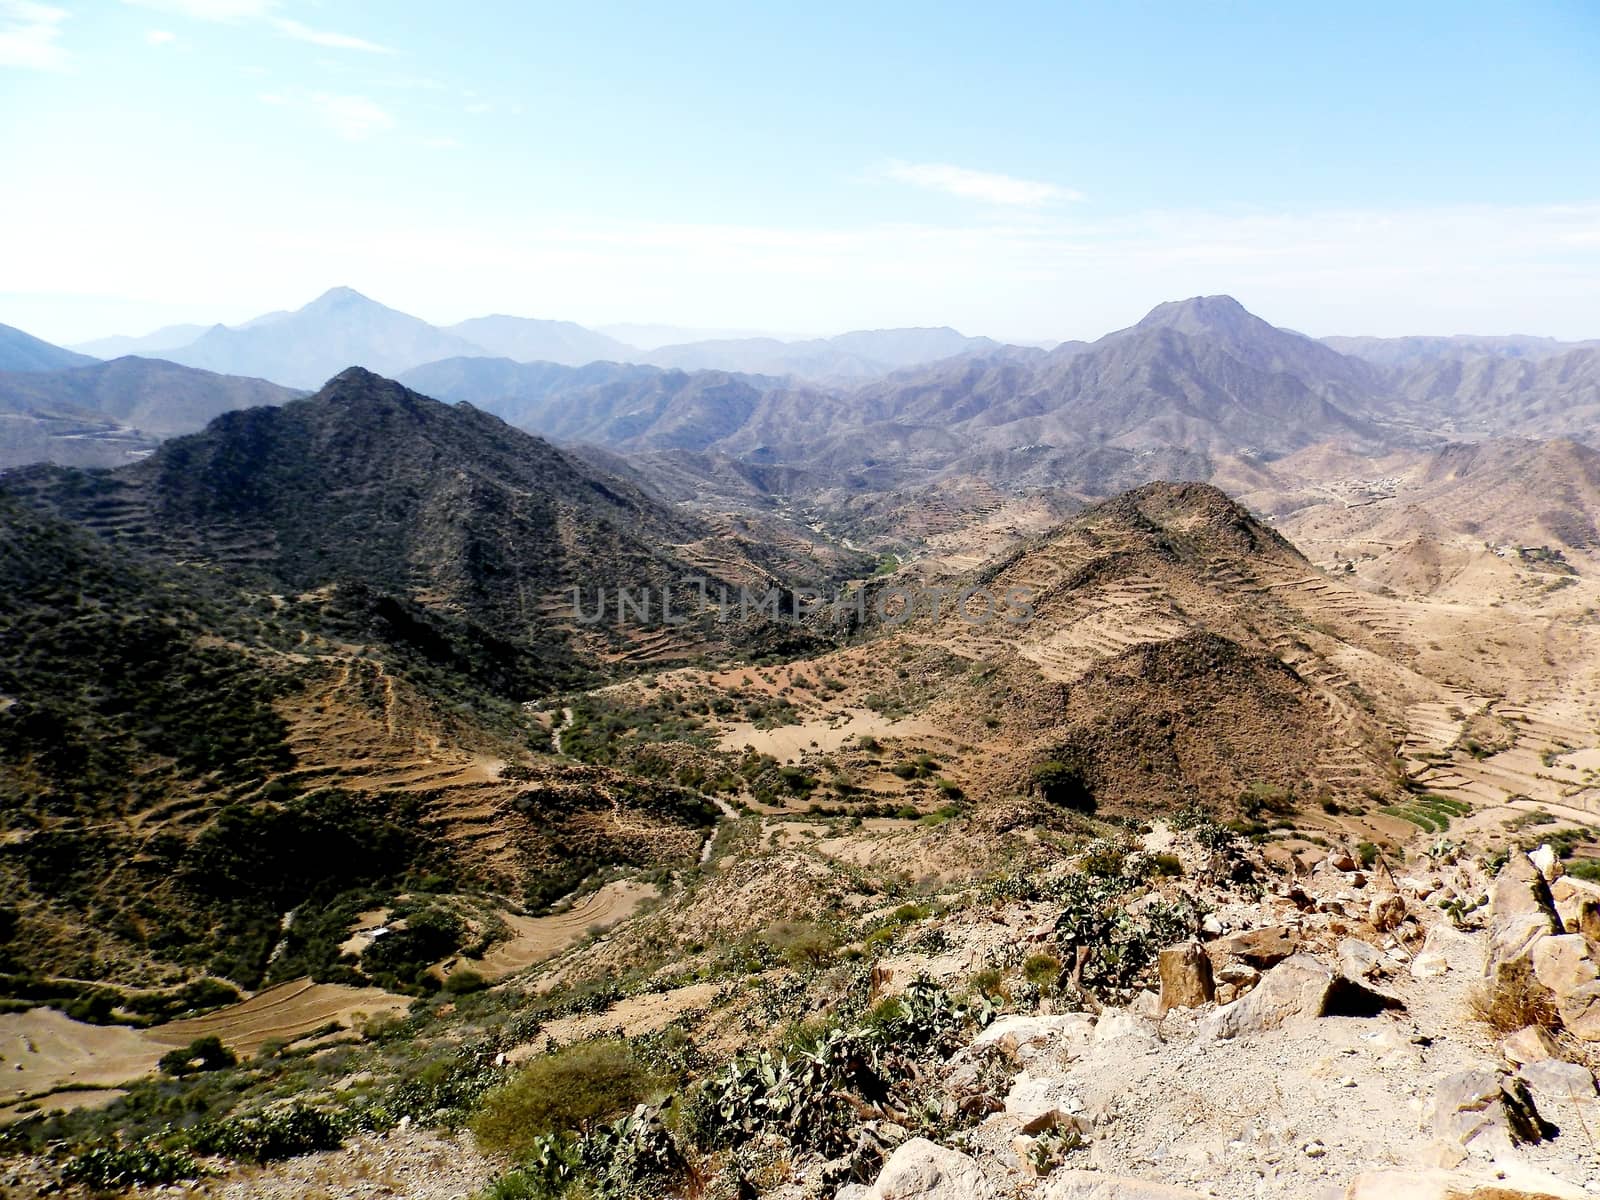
(1351, 1067)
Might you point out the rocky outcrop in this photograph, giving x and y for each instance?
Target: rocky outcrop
(1526, 933)
(1298, 987)
(1521, 911)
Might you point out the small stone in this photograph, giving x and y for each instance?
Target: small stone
(1314, 1149)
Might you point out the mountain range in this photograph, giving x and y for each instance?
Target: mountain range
(343, 328)
(1198, 389)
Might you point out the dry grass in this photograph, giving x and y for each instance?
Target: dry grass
(1515, 1000)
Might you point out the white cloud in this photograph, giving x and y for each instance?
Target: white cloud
(160, 37)
(30, 36)
(987, 186)
(323, 37)
(261, 10)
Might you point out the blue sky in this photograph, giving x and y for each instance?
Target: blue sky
(1025, 171)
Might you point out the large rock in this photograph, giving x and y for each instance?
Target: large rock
(1359, 959)
(1093, 1185)
(1186, 980)
(1577, 905)
(1550, 1079)
(1562, 963)
(1297, 987)
(1521, 912)
(924, 1170)
(1580, 1012)
(1485, 1111)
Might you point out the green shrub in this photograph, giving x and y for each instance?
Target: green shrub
(801, 943)
(1063, 785)
(202, 1054)
(266, 1137)
(119, 1167)
(569, 1091)
(461, 982)
(1042, 970)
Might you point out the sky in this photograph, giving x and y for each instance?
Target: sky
(1029, 172)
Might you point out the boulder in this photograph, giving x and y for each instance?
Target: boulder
(1562, 963)
(1186, 980)
(1529, 1044)
(1258, 947)
(1095, 1185)
(1486, 1111)
(1521, 911)
(924, 1170)
(1550, 1079)
(1358, 959)
(1297, 987)
(1580, 1012)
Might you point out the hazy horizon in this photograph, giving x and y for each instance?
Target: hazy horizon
(1041, 175)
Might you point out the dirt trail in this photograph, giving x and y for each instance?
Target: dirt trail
(555, 734)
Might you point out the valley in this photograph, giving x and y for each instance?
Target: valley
(394, 822)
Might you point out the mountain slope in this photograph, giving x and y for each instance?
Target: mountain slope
(623, 406)
(149, 345)
(524, 339)
(861, 354)
(151, 395)
(340, 328)
(23, 352)
(1554, 396)
(1407, 352)
(368, 481)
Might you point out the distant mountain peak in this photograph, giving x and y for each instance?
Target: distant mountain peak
(1198, 314)
(339, 297)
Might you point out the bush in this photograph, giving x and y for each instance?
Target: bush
(569, 1091)
(460, 983)
(801, 943)
(1042, 970)
(282, 1133)
(119, 1167)
(202, 1054)
(1063, 785)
